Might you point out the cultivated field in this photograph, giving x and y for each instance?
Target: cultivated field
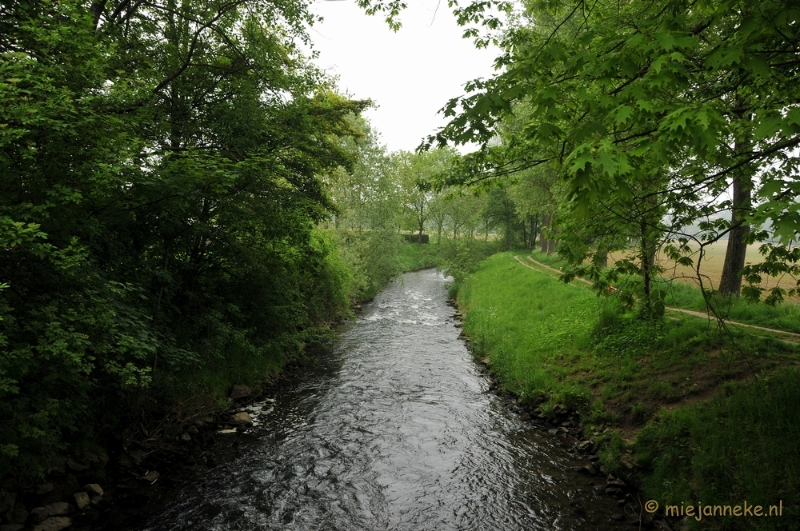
(711, 267)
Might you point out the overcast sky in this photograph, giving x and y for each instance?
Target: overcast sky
(409, 74)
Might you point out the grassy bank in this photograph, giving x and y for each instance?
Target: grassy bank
(709, 420)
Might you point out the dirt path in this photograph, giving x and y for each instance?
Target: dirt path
(784, 335)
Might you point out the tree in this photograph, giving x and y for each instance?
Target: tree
(499, 211)
(438, 213)
(536, 197)
(463, 212)
(416, 172)
(160, 190)
(369, 202)
(416, 201)
(705, 90)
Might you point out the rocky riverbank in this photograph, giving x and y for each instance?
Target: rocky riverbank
(97, 491)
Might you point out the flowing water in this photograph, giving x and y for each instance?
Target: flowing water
(395, 429)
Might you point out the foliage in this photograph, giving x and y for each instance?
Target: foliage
(663, 106)
(415, 170)
(159, 168)
(368, 203)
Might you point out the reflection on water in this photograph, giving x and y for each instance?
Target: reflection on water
(396, 430)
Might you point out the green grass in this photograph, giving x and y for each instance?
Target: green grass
(553, 260)
(785, 316)
(723, 439)
(548, 339)
(528, 340)
(741, 445)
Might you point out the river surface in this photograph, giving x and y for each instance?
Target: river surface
(394, 430)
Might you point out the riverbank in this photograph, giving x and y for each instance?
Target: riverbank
(702, 417)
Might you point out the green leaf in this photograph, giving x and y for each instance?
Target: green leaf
(768, 126)
(622, 114)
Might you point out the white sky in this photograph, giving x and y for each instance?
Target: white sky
(410, 74)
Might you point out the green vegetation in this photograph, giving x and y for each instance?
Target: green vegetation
(187, 203)
(650, 149)
(740, 445)
(457, 259)
(676, 294)
(551, 259)
(529, 342)
(414, 257)
(159, 212)
(659, 384)
(785, 316)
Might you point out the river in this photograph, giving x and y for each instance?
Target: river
(395, 429)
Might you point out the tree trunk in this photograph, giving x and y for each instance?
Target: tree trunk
(551, 244)
(524, 234)
(532, 240)
(542, 236)
(648, 245)
(731, 281)
(735, 254)
(97, 9)
(647, 264)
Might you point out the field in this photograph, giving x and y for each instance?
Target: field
(711, 267)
